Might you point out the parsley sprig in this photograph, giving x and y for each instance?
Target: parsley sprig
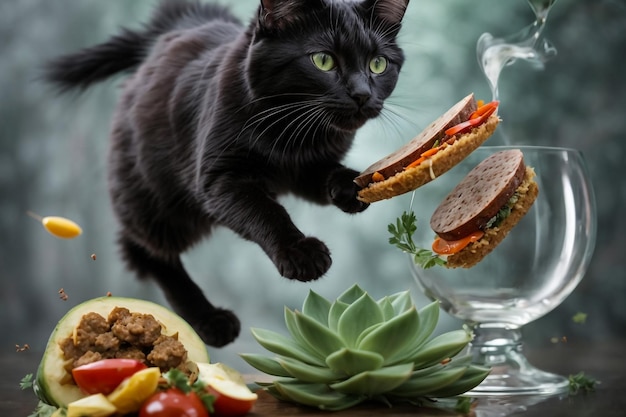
(178, 379)
(581, 383)
(402, 237)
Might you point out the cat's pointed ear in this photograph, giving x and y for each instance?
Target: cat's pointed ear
(278, 14)
(390, 11)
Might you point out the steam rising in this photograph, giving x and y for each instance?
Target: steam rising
(496, 53)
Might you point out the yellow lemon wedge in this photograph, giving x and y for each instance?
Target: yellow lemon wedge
(61, 227)
(96, 405)
(134, 390)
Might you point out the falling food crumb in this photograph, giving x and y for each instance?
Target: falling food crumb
(63, 295)
(93, 256)
(22, 348)
(109, 294)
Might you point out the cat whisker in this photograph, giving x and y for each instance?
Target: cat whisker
(289, 111)
(309, 118)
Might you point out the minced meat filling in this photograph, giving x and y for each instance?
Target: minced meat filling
(122, 335)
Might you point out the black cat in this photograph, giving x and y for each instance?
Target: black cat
(217, 119)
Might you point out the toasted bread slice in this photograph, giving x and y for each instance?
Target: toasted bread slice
(409, 179)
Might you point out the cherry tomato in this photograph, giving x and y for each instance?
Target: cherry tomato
(173, 403)
(103, 376)
(227, 406)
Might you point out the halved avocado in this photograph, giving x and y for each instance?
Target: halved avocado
(51, 372)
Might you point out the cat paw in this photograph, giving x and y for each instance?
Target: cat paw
(344, 192)
(218, 328)
(308, 259)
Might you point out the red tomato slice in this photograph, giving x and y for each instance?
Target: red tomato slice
(477, 118)
(103, 376)
(173, 403)
(227, 406)
(450, 247)
(489, 107)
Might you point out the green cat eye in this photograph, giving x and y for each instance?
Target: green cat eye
(323, 61)
(378, 65)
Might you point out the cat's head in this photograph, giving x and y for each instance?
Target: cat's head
(339, 58)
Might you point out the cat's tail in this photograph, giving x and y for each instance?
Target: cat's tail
(127, 50)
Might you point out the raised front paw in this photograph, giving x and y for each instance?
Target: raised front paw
(218, 327)
(343, 191)
(308, 259)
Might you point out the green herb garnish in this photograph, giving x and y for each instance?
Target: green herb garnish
(402, 237)
(503, 213)
(178, 379)
(579, 318)
(27, 381)
(581, 382)
(44, 410)
(463, 405)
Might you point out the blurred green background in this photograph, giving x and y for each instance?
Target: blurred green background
(53, 151)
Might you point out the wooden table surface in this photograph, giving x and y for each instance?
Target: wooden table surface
(603, 361)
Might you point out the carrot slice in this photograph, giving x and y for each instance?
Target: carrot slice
(485, 108)
(450, 247)
(377, 177)
(416, 162)
(430, 152)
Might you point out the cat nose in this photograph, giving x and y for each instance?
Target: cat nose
(361, 98)
(360, 90)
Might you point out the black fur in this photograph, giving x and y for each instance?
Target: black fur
(217, 120)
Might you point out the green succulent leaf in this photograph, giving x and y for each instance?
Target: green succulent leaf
(387, 308)
(401, 302)
(372, 383)
(281, 345)
(318, 336)
(336, 310)
(351, 294)
(351, 361)
(428, 318)
(317, 307)
(392, 336)
(419, 386)
(317, 395)
(309, 373)
(360, 315)
(441, 347)
(265, 364)
(294, 330)
(473, 376)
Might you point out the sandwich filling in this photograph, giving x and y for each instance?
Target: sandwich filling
(470, 251)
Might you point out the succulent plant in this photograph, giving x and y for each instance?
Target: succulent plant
(354, 349)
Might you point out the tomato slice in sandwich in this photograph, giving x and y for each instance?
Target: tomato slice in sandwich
(450, 247)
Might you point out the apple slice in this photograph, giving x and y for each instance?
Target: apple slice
(232, 395)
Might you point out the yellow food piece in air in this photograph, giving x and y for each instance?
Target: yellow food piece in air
(134, 390)
(61, 227)
(95, 405)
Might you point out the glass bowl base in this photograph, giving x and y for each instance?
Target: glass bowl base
(512, 374)
(499, 347)
(507, 381)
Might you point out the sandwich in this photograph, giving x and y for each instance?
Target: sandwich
(476, 215)
(439, 147)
